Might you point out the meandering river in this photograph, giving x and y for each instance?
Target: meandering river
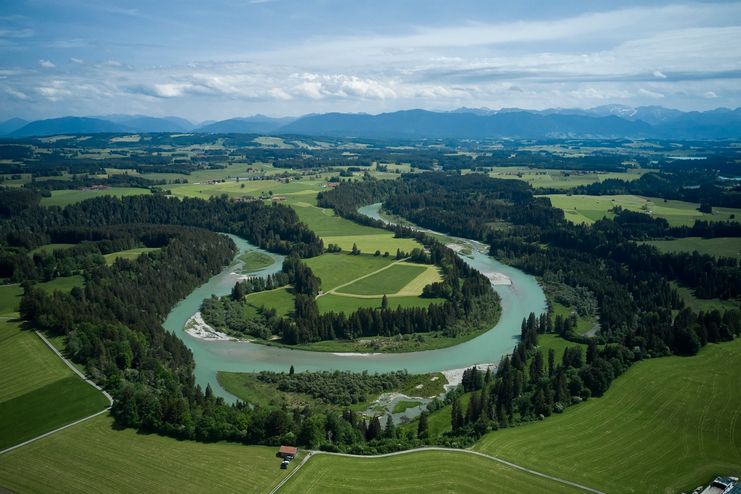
(520, 298)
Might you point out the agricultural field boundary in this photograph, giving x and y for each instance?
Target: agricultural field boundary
(84, 378)
(417, 450)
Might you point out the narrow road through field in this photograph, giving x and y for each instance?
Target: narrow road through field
(434, 448)
(84, 378)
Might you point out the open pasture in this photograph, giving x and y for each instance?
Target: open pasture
(560, 179)
(588, 209)
(38, 392)
(129, 255)
(66, 197)
(280, 299)
(389, 281)
(422, 471)
(63, 284)
(349, 304)
(667, 425)
(93, 457)
(337, 269)
(717, 247)
(10, 297)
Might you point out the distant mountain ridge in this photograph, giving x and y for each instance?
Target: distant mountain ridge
(609, 121)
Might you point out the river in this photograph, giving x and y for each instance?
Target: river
(520, 298)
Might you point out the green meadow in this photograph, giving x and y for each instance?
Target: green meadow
(62, 284)
(560, 179)
(66, 197)
(129, 254)
(717, 247)
(667, 425)
(10, 297)
(94, 457)
(38, 392)
(423, 472)
(388, 281)
(255, 261)
(588, 209)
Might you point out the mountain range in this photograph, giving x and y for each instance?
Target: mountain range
(610, 121)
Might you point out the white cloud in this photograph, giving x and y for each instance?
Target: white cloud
(659, 74)
(47, 64)
(710, 95)
(76, 60)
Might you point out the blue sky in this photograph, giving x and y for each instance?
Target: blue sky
(219, 59)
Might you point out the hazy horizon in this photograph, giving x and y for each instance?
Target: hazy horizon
(234, 58)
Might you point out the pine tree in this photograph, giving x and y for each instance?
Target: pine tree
(291, 371)
(422, 428)
(384, 302)
(390, 430)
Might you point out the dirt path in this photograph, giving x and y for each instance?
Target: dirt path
(84, 378)
(432, 448)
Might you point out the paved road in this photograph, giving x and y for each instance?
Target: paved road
(84, 378)
(432, 448)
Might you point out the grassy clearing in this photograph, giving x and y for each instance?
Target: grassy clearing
(337, 269)
(425, 385)
(588, 209)
(129, 254)
(560, 179)
(248, 388)
(667, 425)
(49, 248)
(92, 457)
(425, 471)
(10, 297)
(431, 274)
(255, 261)
(369, 244)
(334, 229)
(338, 303)
(718, 247)
(704, 304)
(65, 197)
(63, 284)
(554, 342)
(38, 393)
(583, 324)
(391, 280)
(280, 299)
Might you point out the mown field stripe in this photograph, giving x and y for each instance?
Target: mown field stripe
(447, 450)
(84, 378)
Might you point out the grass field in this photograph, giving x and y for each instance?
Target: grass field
(248, 388)
(38, 392)
(129, 254)
(280, 299)
(334, 229)
(424, 472)
(704, 304)
(588, 209)
(92, 457)
(560, 179)
(10, 297)
(255, 261)
(338, 303)
(63, 284)
(391, 280)
(337, 269)
(718, 247)
(49, 248)
(65, 197)
(667, 425)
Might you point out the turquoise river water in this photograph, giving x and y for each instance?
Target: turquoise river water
(520, 298)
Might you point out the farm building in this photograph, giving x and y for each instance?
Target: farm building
(279, 198)
(721, 485)
(286, 451)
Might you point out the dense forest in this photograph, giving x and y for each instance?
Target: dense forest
(630, 282)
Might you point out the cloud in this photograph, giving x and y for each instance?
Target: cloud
(650, 94)
(47, 64)
(710, 95)
(659, 74)
(76, 60)
(16, 93)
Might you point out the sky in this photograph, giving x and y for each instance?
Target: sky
(217, 59)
